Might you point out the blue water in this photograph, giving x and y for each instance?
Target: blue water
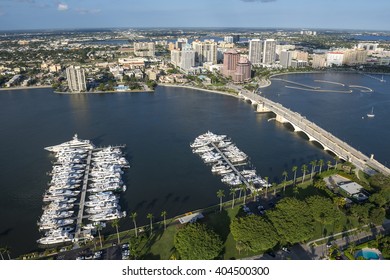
(157, 128)
(342, 114)
(368, 255)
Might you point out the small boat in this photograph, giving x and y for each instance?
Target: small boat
(371, 114)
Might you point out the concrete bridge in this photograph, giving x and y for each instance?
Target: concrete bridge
(315, 133)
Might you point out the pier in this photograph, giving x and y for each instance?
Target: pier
(238, 173)
(328, 141)
(82, 197)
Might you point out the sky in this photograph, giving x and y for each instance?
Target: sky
(71, 14)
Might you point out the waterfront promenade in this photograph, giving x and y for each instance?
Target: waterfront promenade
(315, 133)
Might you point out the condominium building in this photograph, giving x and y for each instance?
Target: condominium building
(319, 61)
(144, 49)
(228, 39)
(185, 58)
(269, 52)
(76, 79)
(243, 71)
(334, 58)
(205, 51)
(285, 58)
(230, 60)
(255, 51)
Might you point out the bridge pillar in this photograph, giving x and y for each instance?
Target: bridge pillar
(261, 108)
(280, 119)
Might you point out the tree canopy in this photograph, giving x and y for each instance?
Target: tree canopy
(254, 232)
(323, 209)
(292, 220)
(197, 242)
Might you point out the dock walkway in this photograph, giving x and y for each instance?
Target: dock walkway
(249, 186)
(82, 198)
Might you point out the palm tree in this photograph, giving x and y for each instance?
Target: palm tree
(7, 251)
(1, 253)
(255, 193)
(304, 170)
(313, 164)
(220, 195)
(99, 228)
(150, 217)
(266, 187)
(284, 174)
(245, 188)
(320, 163)
(164, 215)
(352, 248)
(233, 193)
(336, 158)
(133, 215)
(294, 169)
(115, 223)
(242, 187)
(328, 163)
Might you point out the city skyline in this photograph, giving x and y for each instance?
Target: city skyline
(332, 14)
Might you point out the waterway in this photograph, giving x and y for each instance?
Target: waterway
(340, 111)
(157, 129)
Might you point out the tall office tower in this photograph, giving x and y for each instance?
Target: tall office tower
(187, 58)
(269, 52)
(243, 71)
(255, 50)
(205, 52)
(144, 49)
(236, 38)
(286, 58)
(76, 79)
(230, 60)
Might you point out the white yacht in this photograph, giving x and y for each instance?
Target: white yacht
(74, 143)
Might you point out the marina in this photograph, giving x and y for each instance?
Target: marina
(225, 158)
(82, 180)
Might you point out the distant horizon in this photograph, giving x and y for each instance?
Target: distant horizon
(193, 28)
(357, 15)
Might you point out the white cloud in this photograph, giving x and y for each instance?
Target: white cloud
(62, 7)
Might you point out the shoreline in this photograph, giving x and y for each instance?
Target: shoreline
(98, 92)
(22, 88)
(201, 89)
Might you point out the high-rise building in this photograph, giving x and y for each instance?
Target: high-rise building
(187, 58)
(319, 61)
(335, 58)
(285, 59)
(144, 49)
(269, 52)
(76, 79)
(181, 42)
(230, 60)
(228, 39)
(255, 51)
(205, 51)
(243, 71)
(175, 57)
(236, 38)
